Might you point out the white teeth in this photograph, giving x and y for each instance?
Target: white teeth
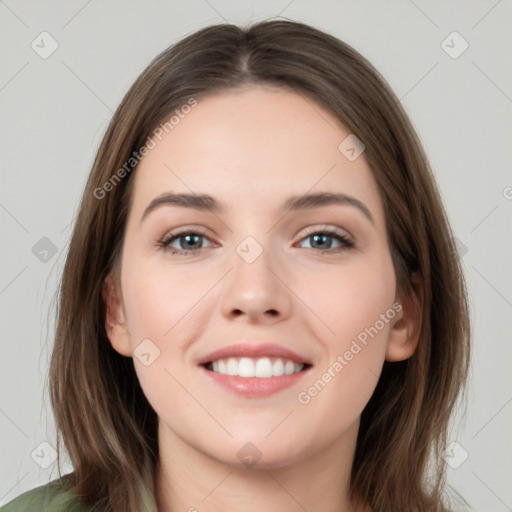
(278, 368)
(289, 368)
(232, 366)
(246, 367)
(263, 367)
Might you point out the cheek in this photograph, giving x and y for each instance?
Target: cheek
(160, 300)
(356, 312)
(159, 303)
(348, 299)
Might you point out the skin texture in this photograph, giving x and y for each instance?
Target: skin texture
(252, 149)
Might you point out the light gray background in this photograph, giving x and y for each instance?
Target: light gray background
(55, 111)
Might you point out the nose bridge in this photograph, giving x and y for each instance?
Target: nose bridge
(253, 288)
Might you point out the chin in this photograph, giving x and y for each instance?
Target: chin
(256, 452)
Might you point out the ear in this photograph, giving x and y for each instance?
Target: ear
(406, 326)
(115, 322)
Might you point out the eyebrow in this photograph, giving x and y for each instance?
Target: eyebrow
(205, 202)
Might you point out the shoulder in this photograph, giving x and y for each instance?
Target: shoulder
(54, 496)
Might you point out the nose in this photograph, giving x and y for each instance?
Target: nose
(256, 292)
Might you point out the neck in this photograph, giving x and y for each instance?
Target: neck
(190, 480)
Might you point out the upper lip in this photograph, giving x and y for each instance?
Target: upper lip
(253, 351)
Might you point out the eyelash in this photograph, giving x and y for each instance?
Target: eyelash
(346, 242)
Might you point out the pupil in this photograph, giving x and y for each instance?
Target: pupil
(316, 237)
(189, 237)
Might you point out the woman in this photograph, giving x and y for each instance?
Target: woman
(262, 305)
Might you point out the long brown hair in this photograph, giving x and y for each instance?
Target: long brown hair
(102, 415)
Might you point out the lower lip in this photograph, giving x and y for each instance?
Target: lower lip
(255, 387)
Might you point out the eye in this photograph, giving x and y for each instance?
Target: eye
(328, 240)
(187, 242)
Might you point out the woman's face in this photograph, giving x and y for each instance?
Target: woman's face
(313, 281)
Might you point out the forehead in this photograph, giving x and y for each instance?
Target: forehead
(250, 148)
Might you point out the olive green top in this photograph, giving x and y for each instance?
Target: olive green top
(57, 497)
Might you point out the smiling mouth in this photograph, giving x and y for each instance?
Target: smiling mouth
(261, 367)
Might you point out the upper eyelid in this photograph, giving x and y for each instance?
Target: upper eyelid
(327, 228)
